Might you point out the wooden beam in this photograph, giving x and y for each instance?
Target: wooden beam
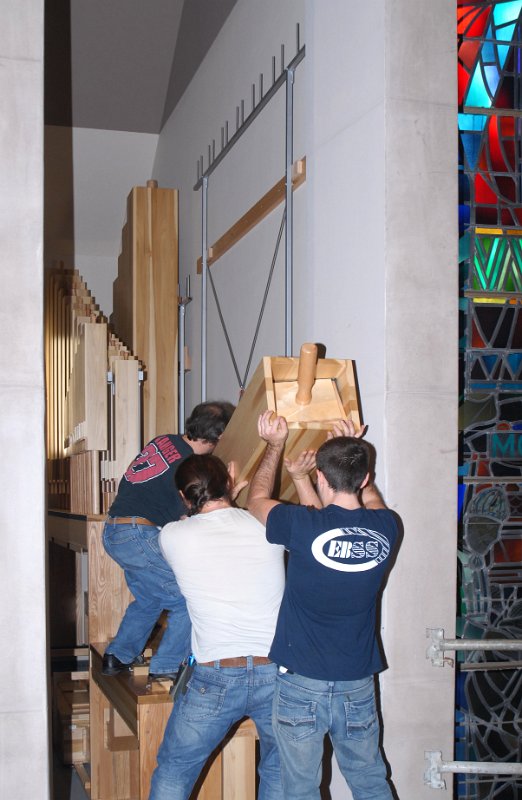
(254, 215)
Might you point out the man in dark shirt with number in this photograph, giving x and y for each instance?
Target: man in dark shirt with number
(147, 499)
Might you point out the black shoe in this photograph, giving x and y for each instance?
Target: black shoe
(111, 665)
(163, 676)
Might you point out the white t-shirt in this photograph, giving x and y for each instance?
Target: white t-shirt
(231, 578)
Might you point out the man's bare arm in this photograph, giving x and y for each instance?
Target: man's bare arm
(300, 469)
(275, 433)
(372, 498)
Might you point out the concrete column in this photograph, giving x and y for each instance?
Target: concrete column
(382, 239)
(24, 750)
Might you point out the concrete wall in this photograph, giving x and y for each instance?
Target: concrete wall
(24, 771)
(421, 352)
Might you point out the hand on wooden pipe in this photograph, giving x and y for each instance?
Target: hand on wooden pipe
(345, 427)
(235, 488)
(273, 429)
(301, 466)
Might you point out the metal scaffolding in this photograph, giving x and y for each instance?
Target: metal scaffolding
(285, 78)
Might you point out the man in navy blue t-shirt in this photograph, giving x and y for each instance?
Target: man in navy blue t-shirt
(340, 544)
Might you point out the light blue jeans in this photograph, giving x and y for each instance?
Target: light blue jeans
(216, 698)
(151, 580)
(305, 710)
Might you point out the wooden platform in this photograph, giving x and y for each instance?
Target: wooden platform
(128, 718)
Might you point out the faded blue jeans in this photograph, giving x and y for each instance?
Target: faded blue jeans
(305, 710)
(136, 549)
(216, 698)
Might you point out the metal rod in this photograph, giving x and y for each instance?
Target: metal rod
(181, 387)
(478, 666)
(204, 252)
(436, 766)
(251, 117)
(289, 205)
(480, 644)
(480, 768)
(439, 645)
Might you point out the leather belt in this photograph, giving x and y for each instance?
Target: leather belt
(131, 520)
(240, 661)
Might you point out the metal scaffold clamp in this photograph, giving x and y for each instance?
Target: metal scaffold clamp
(433, 773)
(435, 651)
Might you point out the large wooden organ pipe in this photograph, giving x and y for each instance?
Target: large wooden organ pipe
(310, 392)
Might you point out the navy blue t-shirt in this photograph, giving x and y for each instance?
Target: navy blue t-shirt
(337, 562)
(147, 488)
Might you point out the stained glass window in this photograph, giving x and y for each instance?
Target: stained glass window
(489, 684)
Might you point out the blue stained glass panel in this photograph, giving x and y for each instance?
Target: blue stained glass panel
(472, 122)
(493, 78)
(477, 93)
(506, 12)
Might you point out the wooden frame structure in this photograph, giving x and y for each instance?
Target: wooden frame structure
(330, 394)
(256, 214)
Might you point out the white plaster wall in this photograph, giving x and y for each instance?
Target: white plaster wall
(24, 770)
(421, 375)
(346, 211)
(89, 174)
(252, 34)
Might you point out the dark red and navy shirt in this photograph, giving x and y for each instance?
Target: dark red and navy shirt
(147, 488)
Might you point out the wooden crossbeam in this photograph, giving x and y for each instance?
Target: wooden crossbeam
(254, 215)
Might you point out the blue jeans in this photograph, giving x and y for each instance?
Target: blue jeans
(305, 710)
(216, 698)
(151, 580)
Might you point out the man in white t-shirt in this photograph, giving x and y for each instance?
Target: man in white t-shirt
(233, 581)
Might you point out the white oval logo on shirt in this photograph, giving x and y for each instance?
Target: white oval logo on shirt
(350, 549)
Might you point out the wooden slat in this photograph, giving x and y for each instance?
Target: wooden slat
(254, 215)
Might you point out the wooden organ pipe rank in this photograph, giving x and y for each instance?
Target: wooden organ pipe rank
(92, 433)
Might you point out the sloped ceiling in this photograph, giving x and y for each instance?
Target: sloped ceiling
(124, 64)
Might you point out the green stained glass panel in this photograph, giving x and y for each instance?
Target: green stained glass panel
(497, 264)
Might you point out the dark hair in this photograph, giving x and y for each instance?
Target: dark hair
(344, 462)
(202, 478)
(208, 421)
